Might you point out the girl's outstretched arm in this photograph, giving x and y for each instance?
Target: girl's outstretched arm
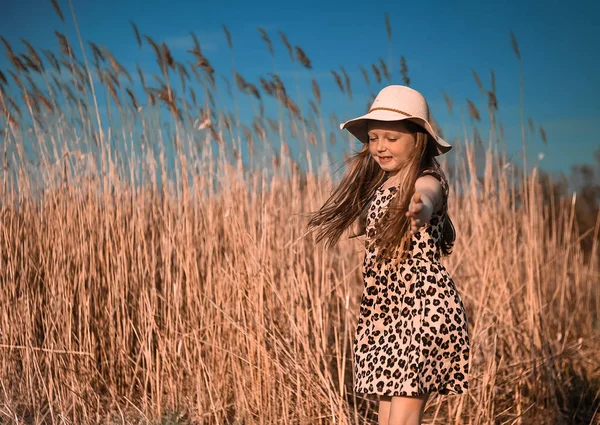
(427, 198)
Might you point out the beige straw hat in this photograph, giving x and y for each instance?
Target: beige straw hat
(396, 103)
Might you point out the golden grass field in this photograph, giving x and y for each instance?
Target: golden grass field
(196, 296)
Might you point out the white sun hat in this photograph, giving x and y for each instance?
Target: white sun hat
(396, 103)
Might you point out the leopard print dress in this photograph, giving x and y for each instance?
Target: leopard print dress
(412, 335)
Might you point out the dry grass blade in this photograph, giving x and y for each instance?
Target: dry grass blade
(404, 71)
(266, 39)
(388, 27)
(138, 38)
(303, 58)
(473, 112)
(448, 101)
(57, 9)
(316, 91)
(287, 45)
(376, 72)
(228, 37)
(515, 45)
(3, 80)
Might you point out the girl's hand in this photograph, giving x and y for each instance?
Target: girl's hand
(419, 212)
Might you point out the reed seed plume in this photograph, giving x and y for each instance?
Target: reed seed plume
(34, 57)
(365, 75)
(531, 126)
(384, 69)
(473, 112)
(515, 45)
(332, 138)
(492, 100)
(303, 58)
(134, 103)
(52, 59)
(7, 47)
(338, 81)
(16, 79)
(478, 82)
(287, 45)
(376, 72)
(404, 71)
(65, 46)
(313, 107)
(3, 81)
(266, 39)
(138, 37)
(228, 37)
(347, 82)
(316, 91)
(196, 44)
(183, 74)
(388, 27)
(57, 9)
(543, 135)
(448, 101)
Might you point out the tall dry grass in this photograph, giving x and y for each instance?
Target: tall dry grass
(151, 276)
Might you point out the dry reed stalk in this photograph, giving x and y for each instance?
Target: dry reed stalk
(543, 135)
(64, 44)
(365, 75)
(228, 37)
(302, 58)
(473, 112)
(347, 82)
(515, 45)
(404, 71)
(316, 91)
(287, 45)
(138, 37)
(338, 81)
(57, 10)
(448, 101)
(388, 27)
(478, 82)
(384, 69)
(376, 72)
(266, 39)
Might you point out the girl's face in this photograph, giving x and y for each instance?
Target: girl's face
(390, 144)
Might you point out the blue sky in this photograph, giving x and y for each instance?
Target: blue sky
(442, 42)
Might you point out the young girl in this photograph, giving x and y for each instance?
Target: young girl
(412, 337)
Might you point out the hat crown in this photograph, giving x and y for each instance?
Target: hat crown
(404, 99)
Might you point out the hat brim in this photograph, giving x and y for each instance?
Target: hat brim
(358, 127)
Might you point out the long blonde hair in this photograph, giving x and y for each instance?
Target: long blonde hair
(350, 200)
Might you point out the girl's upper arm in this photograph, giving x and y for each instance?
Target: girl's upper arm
(432, 188)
